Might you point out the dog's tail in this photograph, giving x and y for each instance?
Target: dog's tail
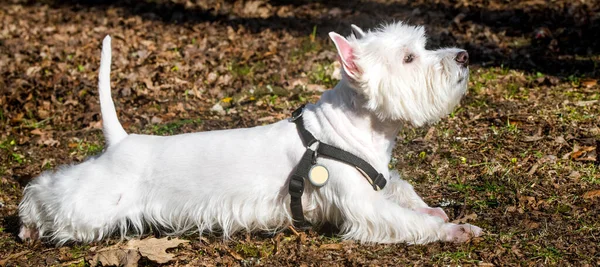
(113, 130)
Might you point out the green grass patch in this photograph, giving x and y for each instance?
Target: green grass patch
(549, 255)
(173, 127)
(88, 148)
(254, 251)
(453, 257)
(322, 75)
(18, 158)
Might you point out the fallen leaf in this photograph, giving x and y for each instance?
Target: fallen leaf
(532, 138)
(17, 118)
(155, 249)
(589, 82)
(582, 153)
(466, 218)
(235, 255)
(585, 103)
(531, 225)
(430, 134)
(548, 159)
(116, 256)
(533, 169)
(45, 138)
(149, 84)
(333, 246)
(129, 254)
(13, 256)
(315, 88)
(591, 194)
(267, 118)
(575, 175)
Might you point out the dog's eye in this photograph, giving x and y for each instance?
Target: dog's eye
(409, 58)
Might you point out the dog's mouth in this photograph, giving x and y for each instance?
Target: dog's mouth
(463, 74)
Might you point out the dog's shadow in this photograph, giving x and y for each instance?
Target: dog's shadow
(11, 225)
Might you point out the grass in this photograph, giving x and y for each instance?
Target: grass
(453, 257)
(590, 174)
(88, 148)
(547, 255)
(18, 158)
(173, 127)
(254, 250)
(321, 74)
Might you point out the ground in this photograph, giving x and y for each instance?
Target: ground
(517, 157)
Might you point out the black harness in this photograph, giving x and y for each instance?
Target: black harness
(308, 160)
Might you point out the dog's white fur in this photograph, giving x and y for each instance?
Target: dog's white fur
(233, 180)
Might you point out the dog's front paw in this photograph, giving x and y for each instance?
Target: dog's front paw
(460, 233)
(28, 234)
(436, 212)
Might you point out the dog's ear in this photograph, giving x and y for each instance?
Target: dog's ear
(357, 31)
(345, 55)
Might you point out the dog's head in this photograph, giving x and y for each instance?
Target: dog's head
(398, 77)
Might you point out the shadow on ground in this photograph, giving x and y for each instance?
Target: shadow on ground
(555, 38)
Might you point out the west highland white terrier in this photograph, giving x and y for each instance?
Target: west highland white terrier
(232, 180)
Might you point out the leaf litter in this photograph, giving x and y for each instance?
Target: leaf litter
(518, 157)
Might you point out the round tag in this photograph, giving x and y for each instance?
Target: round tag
(318, 175)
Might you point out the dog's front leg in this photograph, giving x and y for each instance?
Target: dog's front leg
(402, 193)
(371, 217)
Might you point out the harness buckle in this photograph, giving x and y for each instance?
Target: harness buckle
(296, 187)
(297, 113)
(379, 182)
(315, 152)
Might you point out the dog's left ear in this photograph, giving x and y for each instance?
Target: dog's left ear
(346, 55)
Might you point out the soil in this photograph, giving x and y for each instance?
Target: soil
(517, 157)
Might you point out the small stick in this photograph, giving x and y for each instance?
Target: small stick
(293, 230)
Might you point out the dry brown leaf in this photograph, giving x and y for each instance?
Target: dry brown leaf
(532, 138)
(589, 82)
(13, 256)
(17, 118)
(315, 88)
(155, 249)
(531, 225)
(235, 255)
(533, 169)
(116, 256)
(149, 84)
(591, 194)
(45, 138)
(582, 153)
(130, 253)
(466, 218)
(333, 246)
(430, 134)
(585, 103)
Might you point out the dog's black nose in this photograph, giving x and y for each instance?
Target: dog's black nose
(462, 58)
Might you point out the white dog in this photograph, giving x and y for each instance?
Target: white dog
(238, 179)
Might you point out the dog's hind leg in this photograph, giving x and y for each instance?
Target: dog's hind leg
(83, 203)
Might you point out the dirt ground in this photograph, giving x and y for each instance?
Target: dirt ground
(517, 157)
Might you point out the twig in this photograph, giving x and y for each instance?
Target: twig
(13, 256)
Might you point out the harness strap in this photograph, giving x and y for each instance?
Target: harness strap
(375, 178)
(296, 189)
(296, 186)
